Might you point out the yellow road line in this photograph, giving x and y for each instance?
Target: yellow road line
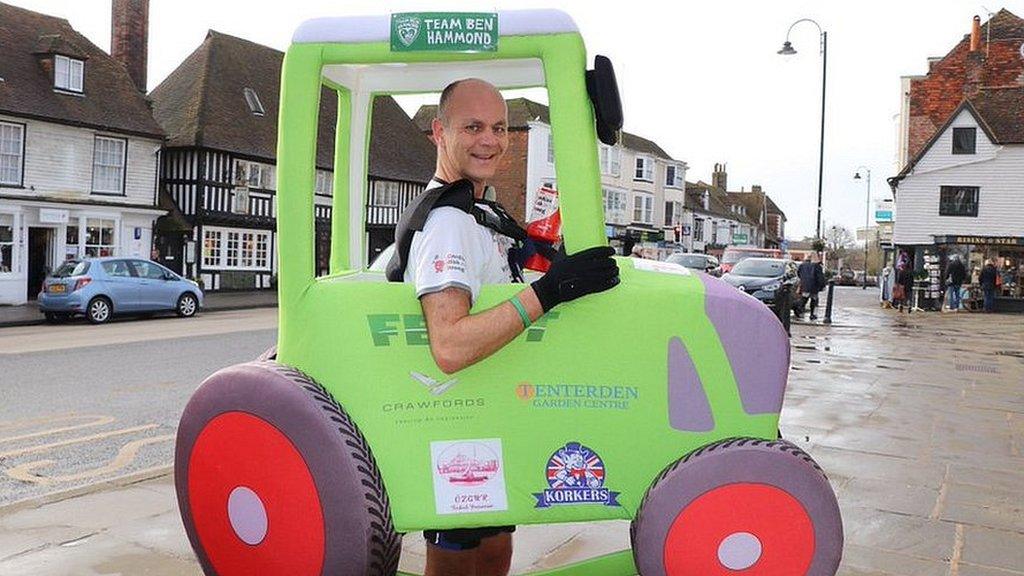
(44, 447)
(99, 421)
(125, 455)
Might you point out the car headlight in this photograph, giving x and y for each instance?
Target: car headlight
(772, 287)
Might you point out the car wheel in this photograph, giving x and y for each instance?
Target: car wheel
(99, 310)
(187, 305)
(56, 317)
(736, 505)
(274, 478)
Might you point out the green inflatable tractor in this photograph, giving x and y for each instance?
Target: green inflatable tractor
(657, 401)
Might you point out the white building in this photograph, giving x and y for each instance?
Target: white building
(962, 193)
(79, 151)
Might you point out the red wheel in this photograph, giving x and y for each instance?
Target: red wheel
(273, 478)
(739, 507)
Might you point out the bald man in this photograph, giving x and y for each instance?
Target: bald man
(452, 257)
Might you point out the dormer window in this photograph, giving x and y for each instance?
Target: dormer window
(68, 73)
(255, 106)
(964, 140)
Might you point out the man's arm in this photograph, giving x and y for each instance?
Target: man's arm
(459, 339)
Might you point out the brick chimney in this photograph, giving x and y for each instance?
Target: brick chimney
(975, 65)
(719, 178)
(756, 188)
(129, 35)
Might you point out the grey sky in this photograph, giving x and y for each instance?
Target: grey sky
(701, 79)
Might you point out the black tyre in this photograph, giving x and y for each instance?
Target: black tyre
(99, 310)
(739, 506)
(187, 306)
(56, 317)
(273, 478)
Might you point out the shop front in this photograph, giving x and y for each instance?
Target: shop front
(1006, 254)
(35, 238)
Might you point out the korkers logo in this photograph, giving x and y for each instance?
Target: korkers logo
(411, 329)
(575, 476)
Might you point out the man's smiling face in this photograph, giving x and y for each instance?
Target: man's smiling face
(472, 136)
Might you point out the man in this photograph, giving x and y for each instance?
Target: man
(988, 284)
(452, 257)
(955, 274)
(812, 280)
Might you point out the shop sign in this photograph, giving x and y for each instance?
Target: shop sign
(739, 238)
(883, 215)
(986, 240)
(53, 216)
(444, 32)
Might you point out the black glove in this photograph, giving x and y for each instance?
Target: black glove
(592, 270)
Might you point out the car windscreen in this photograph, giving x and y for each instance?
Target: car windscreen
(760, 268)
(734, 256)
(688, 260)
(71, 268)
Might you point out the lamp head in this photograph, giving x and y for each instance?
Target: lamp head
(857, 176)
(787, 49)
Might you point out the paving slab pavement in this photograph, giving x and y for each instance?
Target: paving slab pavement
(918, 420)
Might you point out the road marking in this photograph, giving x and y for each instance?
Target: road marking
(958, 551)
(44, 447)
(33, 421)
(940, 501)
(99, 421)
(125, 456)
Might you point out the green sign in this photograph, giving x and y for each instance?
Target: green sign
(739, 238)
(444, 32)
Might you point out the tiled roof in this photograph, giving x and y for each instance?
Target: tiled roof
(202, 103)
(1002, 111)
(109, 100)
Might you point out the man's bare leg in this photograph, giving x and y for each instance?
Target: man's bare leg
(494, 556)
(442, 562)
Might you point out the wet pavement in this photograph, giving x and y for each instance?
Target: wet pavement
(918, 420)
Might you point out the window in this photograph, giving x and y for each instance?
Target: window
(71, 251)
(673, 176)
(6, 243)
(644, 169)
(673, 213)
(99, 237)
(958, 201)
(253, 100)
(551, 148)
(108, 165)
(12, 152)
(643, 208)
(387, 194)
(68, 73)
(255, 175)
(609, 160)
(324, 182)
(211, 248)
(148, 270)
(964, 140)
(615, 206)
(698, 230)
(118, 269)
(236, 249)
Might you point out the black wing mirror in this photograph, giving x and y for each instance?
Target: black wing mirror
(604, 94)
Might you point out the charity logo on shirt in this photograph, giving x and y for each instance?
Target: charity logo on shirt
(450, 261)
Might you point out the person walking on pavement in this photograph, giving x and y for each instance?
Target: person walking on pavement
(956, 273)
(988, 285)
(812, 280)
(452, 256)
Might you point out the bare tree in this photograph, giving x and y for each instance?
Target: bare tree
(838, 241)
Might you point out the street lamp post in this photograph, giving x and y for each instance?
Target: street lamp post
(788, 50)
(867, 220)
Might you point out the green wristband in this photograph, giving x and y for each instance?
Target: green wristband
(522, 311)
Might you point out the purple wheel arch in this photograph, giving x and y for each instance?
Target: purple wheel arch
(775, 463)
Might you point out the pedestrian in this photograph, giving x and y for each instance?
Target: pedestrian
(452, 255)
(904, 282)
(956, 272)
(637, 252)
(812, 281)
(988, 285)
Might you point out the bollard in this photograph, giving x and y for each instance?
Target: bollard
(828, 302)
(784, 306)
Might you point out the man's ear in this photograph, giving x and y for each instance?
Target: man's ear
(437, 132)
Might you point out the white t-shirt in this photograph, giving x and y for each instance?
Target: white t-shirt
(453, 250)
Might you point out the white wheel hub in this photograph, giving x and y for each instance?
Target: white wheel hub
(247, 515)
(739, 551)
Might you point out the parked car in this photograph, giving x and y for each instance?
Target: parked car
(763, 277)
(695, 261)
(735, 254)
(847, 277)
(98, 288)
